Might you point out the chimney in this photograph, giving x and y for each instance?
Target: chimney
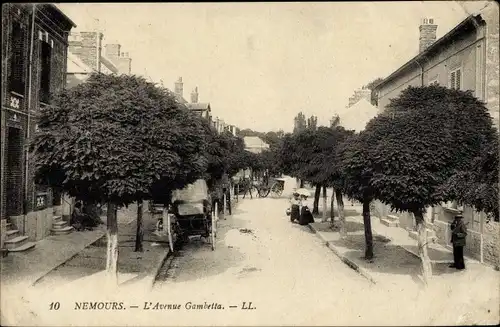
(179, 87)
(112, 50)
(194, 95)
(427, 33)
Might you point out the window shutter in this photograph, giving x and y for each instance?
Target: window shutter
(18, 58)
(452, 80)
(458, 73)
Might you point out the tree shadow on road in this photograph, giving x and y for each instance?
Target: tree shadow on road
(388, 258)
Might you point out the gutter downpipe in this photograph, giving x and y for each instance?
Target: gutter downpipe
(30, 80)
(421, 73)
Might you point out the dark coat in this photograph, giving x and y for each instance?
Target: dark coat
(306, 216)
(295, 212)
(458, 233)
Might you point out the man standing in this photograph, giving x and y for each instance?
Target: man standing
(458, 235)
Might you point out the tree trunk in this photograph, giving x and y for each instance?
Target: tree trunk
(301, 183)
(112, 246)
(368, 230)
(422, 246)
(317, 194)
(340, 207)
(140, 231)
(332, 211)
(324, 204)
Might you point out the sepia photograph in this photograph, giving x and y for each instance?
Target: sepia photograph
(250, 164)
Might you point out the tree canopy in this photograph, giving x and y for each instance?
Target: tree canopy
(430, 134)
(114, 137)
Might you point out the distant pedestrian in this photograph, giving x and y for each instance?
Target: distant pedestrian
(247, 185)
(306, 216)
(295, 207)
(458, 236)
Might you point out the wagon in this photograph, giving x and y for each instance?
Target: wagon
(276, 187)
(191, 215)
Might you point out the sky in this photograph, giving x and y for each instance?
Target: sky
(259, 64)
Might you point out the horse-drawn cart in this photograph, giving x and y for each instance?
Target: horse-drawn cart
(190, 214)
(276, 187)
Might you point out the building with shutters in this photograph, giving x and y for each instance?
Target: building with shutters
(34, 51)
(465, 58)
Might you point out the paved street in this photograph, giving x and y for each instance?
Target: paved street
(285, 271)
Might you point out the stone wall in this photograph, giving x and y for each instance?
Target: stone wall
(490, 15)
(3, 232)
(491, 243)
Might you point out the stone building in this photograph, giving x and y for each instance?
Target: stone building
(120, 59)
(87, 54)
(466, 58)
(34, 51)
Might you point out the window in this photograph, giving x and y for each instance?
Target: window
(45, 59)
(456, 79)
(17, 77)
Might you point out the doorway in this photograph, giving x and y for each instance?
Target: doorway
(14, 172)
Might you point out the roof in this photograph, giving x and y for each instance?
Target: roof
(199, 106)
(60, 12)
(109, 64)
(180, 98)
(358, 115)
(462, 26)
(76, 65)
(254, 142)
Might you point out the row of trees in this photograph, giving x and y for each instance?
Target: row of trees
(119, 140)
(431, 145)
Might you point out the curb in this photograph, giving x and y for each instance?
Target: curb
(353, 265)
(164, 258)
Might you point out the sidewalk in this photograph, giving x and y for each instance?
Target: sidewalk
(87, 267)
(27, 268)
(396, 267)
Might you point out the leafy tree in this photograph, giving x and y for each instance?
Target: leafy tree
(330, 170)
(312, 122)
(300, 123)
(112, 139)
(430, 134)
(356, 174)
(371, 86)
(335, 120)
(478, 186)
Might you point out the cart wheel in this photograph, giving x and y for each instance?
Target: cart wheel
(213, 232)
(264, 192)
(169, 233)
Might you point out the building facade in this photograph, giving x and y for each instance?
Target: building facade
(34, 51)
(87, 54)
(466, 58)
